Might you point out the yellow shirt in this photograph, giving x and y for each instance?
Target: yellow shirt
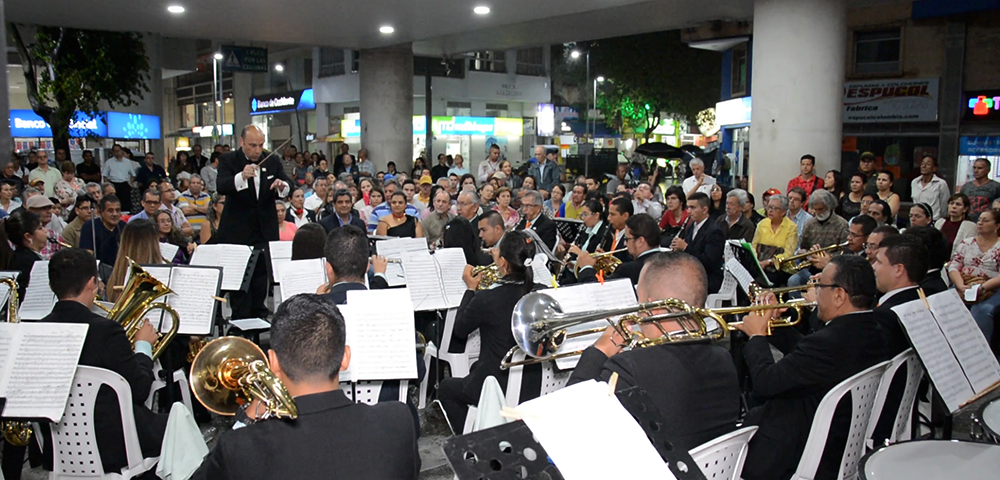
(573, 212)
(787, 236)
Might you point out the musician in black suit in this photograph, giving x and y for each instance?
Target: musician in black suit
(619, 211)
(489, 311)
(252, 181)
(703, 238)
(533, 218)
(642, 236)
(491, 232)
(938, 253)
(332, 437)
(693, 385)
(792, 387)
(592, 233)
(347, 259)
(73, 278)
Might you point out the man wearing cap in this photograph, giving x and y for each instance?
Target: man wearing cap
(42, 206)
(424, 196)
(45, 173)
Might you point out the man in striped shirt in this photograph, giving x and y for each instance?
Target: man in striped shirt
(194, 203)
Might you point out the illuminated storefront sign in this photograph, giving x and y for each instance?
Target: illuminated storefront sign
(132, 126)
(445, 126)
(982, 105)
(282, 102)
(872, 101)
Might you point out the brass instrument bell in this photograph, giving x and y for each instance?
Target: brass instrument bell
(230, 372)
(490, 275)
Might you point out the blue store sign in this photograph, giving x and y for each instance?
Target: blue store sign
(133, 126)
(979, 146)
(282, 102)
(26, 123)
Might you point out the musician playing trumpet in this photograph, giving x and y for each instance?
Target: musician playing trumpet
(642, 238)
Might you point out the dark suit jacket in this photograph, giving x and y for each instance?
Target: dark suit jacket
(595, 241)
(933, 283)
(609, 244)
(547, 181)
(544, 227)
(793, 387)
(339, 291)
(897, 342)
(23, 261)
(693, 385)
(743, 229)
(629, 270)
(249, 219)
(707, 247)
(106, 346)
(330, 222)
(331, 438)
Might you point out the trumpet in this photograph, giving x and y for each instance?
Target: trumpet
(136, 301)
(605, 262)
(757, 292)
(16, 433)
(790, 263)
(229, 372)
(540, 326)
(490, 275)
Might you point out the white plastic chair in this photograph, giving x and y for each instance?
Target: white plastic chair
(179, 377)
(74, 446)
(460, 363)
(904, 415)
(723, 457)
(552, 379)
(862, 388)
(367, 391)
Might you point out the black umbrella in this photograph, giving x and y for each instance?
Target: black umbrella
(663, 150)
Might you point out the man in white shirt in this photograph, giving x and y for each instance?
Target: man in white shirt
(491, 165)
(210, 173)
(929, 188)
(698, 181)
(46, 173)
(643, 202)
(320, 189)
(120, 172)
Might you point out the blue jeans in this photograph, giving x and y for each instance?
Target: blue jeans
(982, 312)
(798, 280)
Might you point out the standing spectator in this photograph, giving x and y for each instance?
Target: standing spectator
(348, 166)
(698, 181)
(120, 172)
(545, 170)
(69, 186)
(929, 188)
(210, 173)
(955, 226)
(850, 204)
(83, 211)
(459, 167)
(620, 178)
(288, 161)
(197, 159)
(321, 169)
(981, 190)
(799, 215)
(807, 180)
(89, 170)
(180, 164)
(194, 203)
(643, 201)
(866, 167)
(286, 228)
(441, 169)
(302, 169)
(45, 173)
(490, 165)
(366, 167)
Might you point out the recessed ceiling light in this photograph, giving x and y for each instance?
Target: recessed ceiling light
(175, 9)
(386, 29)
(481, 10)
(575, 54)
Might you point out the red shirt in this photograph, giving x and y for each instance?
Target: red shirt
(808, 185)
(668, 219)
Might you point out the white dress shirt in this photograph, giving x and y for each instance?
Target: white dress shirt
(934, 194)
(706, 185)
(118, 171)
(890, 293)
(242, 184)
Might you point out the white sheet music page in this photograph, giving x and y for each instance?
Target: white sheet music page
(435, 279)
(966, 339)
(281, 254)
(38, 298)
(394, 248)
(382, 333)
(38, 362)
(579, 450)
(194, 288)
(4, 289)
(232, 258)
(585, 297)
(540, 270)
(168, 251)
(740, 272)
(935, 353)
(302, 276)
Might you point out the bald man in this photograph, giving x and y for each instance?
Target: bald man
(252, 180)
(693, 385)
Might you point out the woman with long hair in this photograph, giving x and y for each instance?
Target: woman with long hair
(25, 231)
(508, 213)
(169, 233)
(717, 202)
(365, 192)
(211, 226)
(957, 227)
(833, 182)
(286, 229)
(554, 206)
(850, 203)
(489, 312)
(884, 184)
(486, 192)
(375, 198)
(399, 224)
(140, 242)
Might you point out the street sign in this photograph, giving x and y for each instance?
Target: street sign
(244, 59)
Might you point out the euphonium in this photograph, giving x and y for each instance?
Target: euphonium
(605, 262)
(230, 372)
(16, 433)
(490, 275)
(136, 301)
(790, 263)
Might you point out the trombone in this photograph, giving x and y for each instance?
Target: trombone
(229, 372)
(16, 433)
(791, 264)
(539, 324)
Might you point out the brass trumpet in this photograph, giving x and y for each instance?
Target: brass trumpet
(605, 262)
(490, 275)
(790, 263)
(757, 292)
(229, 372)
(136, 301)
(16, 433)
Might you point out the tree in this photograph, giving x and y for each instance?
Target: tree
(652, 73)
(68, 70)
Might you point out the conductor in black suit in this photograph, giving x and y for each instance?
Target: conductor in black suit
(703, 238)
(642, 237)
(792, 387)
(73, 278)
(252, 181)
(533, 218)
(693, 385)
(332, 437)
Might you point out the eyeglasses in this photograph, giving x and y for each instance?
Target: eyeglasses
(871, 246)
(583, 215)
(826, 285)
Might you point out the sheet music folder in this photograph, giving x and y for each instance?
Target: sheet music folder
(194, 288)
(237, 262)
(37, 364)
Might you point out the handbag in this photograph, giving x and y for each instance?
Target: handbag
(981, 295)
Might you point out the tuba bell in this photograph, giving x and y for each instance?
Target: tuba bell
(16, 433)
(230, 372)
(136, 301)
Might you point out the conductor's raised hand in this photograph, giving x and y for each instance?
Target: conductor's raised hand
(278, 185)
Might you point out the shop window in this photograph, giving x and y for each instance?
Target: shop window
(488, 61)
(877, 51)
(739, 68)
(531, 61)
(355, 60)
(331, 62)
(458, 109)
(496, 110)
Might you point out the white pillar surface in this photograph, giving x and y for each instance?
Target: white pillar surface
(799, 54)
(386, 77)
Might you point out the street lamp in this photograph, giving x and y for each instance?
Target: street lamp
(217, 94)
(575, 54)
(599, 79)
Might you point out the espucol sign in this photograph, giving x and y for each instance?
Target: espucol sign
(912, 100)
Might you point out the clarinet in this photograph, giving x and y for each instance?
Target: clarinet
(565, 259)
(679, 232)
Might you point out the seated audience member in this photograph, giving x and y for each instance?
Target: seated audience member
(308, 352)
(169, 233)
(776, 235)
(343, 205)
(703, 239)
(83, 210)
(735, 225)
(693, 385)
(286, 227)
(881, 212)
(400, 223)
(955, 224)
(976, 264)
(642, 238)
(938, 256)
(437, 216)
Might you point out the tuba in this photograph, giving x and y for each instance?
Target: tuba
(229, 372)
(136, 301)
(490, 275)
(16, 433)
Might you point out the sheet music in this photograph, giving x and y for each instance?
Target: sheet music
(577, 448)
(4, 289)
(435, 280)
(540, 270)
(966, 339)
(302, 276)
(38, 362)
(935, 353)
(38, 298)
(383, 345)
(193, 289)
(740, 272)
(281, 254)
(168, 251)
(394, 248)
(248, 324)
(589, 296)
(232, 258)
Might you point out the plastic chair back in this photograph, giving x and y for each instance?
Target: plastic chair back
(723, 457)
(914, 372)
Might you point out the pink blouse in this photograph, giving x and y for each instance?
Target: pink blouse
(968, 259)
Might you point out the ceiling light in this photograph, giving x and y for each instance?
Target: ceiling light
(175, 9)
(279, 68)
(218, 56)
(481, 10)
(575, 54)
(386, 29)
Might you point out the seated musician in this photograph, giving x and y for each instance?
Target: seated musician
(792, 387)
(824, 229)
(332, 437)
(642, 238)
(347, 263)
(491, 228)
(703, 238)
(619, 211)
(534, 219)
(938, 256)
(490, 312)
(693, 385)
(73, 278)
(587, 240)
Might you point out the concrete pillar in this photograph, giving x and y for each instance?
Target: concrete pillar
(799, 54)
(6, 144)
(951, 107)
(386, 77)
(242, 92)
